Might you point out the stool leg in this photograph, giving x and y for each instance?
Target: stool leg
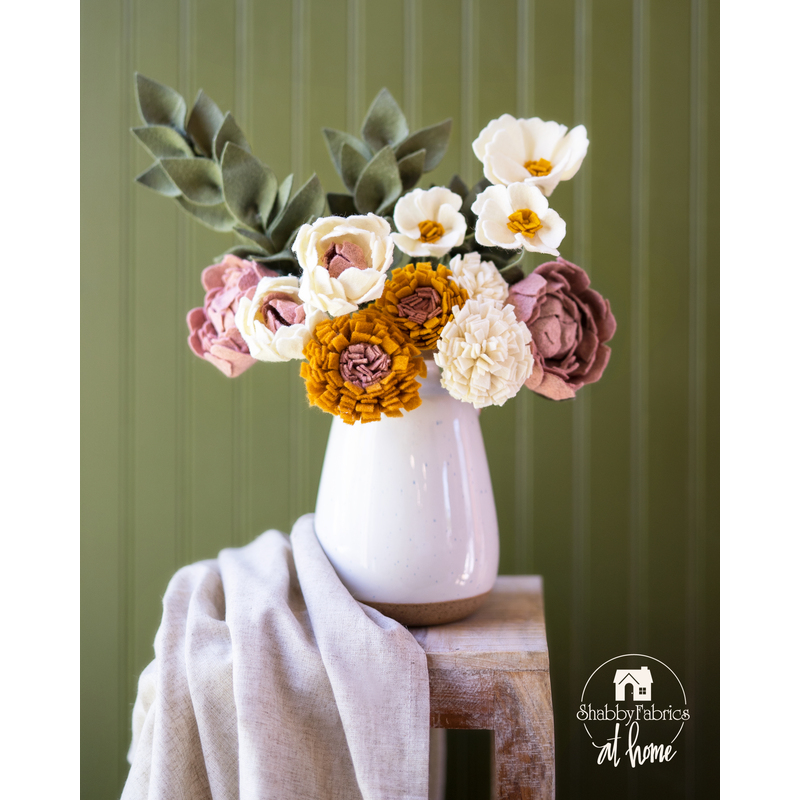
(524, 762)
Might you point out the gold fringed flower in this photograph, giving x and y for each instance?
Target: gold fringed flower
(420, 299)
(362, 366)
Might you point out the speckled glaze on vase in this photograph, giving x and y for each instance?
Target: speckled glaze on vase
(405, 510)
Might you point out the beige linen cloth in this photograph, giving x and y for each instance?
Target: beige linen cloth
(270, 681)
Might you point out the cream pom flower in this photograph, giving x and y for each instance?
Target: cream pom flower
(429, 222)
(532, 151)
(273, 321)
(481, 279)
(344, 261)
(517, 216)
(484, 353)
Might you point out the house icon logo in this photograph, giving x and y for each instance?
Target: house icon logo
(633, 729)
(639, 679)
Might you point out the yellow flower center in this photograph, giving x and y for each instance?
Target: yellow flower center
(430, 231)
(524, 221)
(538, 168)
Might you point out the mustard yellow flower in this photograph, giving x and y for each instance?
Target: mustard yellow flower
(420, 300)
(362, 366)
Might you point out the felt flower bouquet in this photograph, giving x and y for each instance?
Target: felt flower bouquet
(393, 273)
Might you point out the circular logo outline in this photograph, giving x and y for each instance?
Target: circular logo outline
(641, 655)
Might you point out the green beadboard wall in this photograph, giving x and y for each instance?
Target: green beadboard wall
(613, 497)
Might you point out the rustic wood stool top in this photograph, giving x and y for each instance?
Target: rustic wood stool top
(491, 671)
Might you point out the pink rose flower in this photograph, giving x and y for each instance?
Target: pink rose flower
(569, 324)
(213, 334)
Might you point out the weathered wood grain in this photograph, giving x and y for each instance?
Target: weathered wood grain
(507, 632)
(491, 672)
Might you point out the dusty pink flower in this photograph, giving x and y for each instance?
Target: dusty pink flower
(213, 334)
(569, 324)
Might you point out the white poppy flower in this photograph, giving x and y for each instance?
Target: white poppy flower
(481, 279)
(517, 216)
(273, 320)
(484, 353)
(429, 222)
(344, 261)
(530, 151)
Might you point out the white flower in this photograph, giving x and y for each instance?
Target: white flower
(517, 216)
(484, 353)
(273, 321)
(531, 151)
(429, 222)
(344, 261)
(481, 279)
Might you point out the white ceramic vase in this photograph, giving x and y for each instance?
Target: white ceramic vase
(405, 510)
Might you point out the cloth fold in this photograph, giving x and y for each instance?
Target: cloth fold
(271, 681)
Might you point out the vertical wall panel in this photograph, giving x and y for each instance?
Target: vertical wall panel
(612, 497)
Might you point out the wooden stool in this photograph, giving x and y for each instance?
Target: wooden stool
(491, 671)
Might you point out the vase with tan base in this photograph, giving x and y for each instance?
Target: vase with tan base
(405, 510)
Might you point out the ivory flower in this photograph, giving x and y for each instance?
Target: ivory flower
(532, 151)
(344, 261)
(517, 216)
(484, 353)
(429, 222)
(481, 279)
(274, 322)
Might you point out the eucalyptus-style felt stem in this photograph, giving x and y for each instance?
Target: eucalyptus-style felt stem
(205, 163)
(199, 179)
(352, 165)
(379, 185)
(385, 123)
(433, 140)
(384, 128)
(205, 120)
(156, 178)
(307, 204)
(161, 141)
(216, 217)
(249, 187)
(159, 104)
(411, 168)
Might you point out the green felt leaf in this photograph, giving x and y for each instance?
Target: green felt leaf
(336, 140)
(248, 185)
(353, 164)
(307, 204)
(459, 187)
(284, 263)
(161, 141)
(248, 251)
(433, 140)
(379, 183)
(341, 205)
(284, 192)
(156, 178)
(159, 104)
(229, 131)
(205, 119)
(260, 239)
(199, 179)
(411, 168)
(217, 217)
(385, 123)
